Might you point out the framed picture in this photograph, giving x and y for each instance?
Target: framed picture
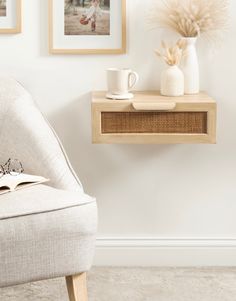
(10, 16)
(87, 26)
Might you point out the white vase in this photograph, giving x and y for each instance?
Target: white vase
(172, 82)
(190, 67)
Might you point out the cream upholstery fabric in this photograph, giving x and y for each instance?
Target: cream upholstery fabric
(47, 245)
(38, 199)
(45, 232)
(25, 134)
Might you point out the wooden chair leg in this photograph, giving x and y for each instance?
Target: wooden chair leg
(77, 287)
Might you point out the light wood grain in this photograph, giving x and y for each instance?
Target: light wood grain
(152, 106)
(189, 103)
(154, 96)
(17, 28)
(54, 50)
(77, 287)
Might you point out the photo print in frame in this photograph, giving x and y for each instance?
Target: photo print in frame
(10, 16)
(87, 26)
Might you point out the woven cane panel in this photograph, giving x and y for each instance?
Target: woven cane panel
(154, 122)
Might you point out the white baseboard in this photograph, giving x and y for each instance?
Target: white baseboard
(165, 252)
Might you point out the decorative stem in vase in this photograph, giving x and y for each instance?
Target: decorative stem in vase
(190, 20)
(172, 78)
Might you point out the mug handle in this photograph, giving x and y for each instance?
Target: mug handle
(133, 82)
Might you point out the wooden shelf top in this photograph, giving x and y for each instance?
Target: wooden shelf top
(154, 96)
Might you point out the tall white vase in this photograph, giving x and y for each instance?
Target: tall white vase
(172, 82)
(190, 67)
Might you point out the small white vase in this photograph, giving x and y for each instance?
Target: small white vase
(172, 82)
(190, 67)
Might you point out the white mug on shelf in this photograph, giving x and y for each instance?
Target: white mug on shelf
(120, 82)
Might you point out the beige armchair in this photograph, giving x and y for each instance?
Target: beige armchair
(46, 231)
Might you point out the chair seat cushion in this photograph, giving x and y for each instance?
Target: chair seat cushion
(38, 199)
(45, 233)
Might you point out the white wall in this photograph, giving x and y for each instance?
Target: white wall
(154, 192)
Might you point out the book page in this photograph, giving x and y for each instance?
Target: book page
(12, 183)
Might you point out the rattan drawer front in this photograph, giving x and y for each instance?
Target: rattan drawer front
(154, 122)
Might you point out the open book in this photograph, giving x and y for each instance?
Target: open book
(9, 183)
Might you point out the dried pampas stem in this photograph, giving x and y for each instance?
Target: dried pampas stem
(172, 55)
(190, 18)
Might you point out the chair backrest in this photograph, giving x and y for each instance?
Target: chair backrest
(25, 134)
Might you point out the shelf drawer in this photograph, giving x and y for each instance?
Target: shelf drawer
(154, 122)
(150, 118)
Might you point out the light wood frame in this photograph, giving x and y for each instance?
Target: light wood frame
(17, 28)
(121, 50)
(153, 101)
(77, 287)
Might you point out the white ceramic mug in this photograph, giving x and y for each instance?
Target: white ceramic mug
(121, 81)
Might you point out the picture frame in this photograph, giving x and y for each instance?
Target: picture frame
(10, 16)
(67, 35)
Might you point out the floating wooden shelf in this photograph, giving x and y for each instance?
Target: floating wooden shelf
(150, 118)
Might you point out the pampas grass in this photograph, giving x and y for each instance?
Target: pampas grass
(172, 55)
(189, 18)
